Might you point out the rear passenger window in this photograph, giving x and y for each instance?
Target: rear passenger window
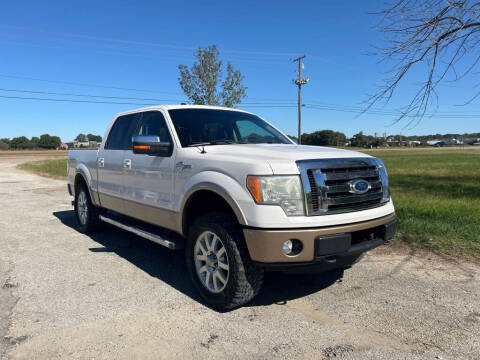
(153, 124)
(120, 137)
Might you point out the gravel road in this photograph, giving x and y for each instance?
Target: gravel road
(114, 295)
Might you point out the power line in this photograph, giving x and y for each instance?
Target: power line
(86, 95)
(144, 43)
(326, 107)
(85, 84)
(392, 113)
(360, 111)
(72, 100)
(265, 106)
(230, 53)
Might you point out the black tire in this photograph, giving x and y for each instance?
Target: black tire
(244, 279)
(91, 222)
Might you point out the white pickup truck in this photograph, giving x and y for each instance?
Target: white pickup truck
(235, 192)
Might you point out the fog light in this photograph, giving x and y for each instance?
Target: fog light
(292, 247)
(287, 247)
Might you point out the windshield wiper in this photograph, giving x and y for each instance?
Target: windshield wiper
(263, 142)
(213, 142)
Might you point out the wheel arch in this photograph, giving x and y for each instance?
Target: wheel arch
(82, 177)
(218, 199)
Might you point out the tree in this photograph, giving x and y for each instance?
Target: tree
(18, 143)
(49, 142)
(3, 145)
(441, 36)
(379, 142)
(91, 137)
(293, 138)
(34, 142)
(55, 142)
(361, 140)
(324, 138)
(5, 140)
(81, 138)
(200, 82)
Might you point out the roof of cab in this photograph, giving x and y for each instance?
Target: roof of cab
(178, 106)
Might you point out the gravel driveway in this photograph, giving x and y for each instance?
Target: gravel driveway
(114, 295)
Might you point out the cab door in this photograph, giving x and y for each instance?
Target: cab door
(149, 178)
(111, 162)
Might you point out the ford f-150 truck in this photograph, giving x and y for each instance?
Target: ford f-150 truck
(235, 192)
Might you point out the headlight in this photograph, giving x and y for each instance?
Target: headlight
(284, 191)
(384, 178)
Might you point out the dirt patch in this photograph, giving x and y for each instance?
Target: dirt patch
(7, 303)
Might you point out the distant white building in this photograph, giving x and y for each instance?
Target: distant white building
(453, 142)
(82, 144)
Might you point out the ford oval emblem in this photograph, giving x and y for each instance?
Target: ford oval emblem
(359, 186)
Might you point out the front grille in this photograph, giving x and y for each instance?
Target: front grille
(327, 187)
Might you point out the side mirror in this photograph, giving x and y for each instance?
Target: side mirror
(151, 145)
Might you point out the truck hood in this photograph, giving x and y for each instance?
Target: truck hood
(280, 157)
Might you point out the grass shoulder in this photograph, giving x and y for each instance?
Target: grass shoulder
(54, 168)
(436, 194)
(29, 153)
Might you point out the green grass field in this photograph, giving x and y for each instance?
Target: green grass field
(33, 153)
(56, 168)
(436, 193)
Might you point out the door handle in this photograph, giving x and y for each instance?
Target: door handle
(180, 166)
(101, 162)
(127, 164)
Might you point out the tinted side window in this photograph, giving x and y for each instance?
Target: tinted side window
(120, 137)
(153, 123)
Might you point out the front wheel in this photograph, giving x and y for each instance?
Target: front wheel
(219, 264)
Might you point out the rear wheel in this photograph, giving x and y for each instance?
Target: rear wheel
(86, 214)
(219, 264)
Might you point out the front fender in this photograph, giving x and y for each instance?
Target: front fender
(225, 186)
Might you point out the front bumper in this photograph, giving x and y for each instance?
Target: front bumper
(334, 245)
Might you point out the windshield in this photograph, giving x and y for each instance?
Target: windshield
(207, 126)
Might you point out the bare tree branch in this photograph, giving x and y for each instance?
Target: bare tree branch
(439, 35)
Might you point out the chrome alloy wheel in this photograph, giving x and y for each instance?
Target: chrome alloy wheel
(211, 262)
(82, 207)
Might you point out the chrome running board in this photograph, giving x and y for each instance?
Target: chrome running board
(170, 243)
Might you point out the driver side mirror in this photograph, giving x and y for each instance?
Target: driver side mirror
(151, 145)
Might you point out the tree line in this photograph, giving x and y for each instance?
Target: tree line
(45, 141)
(89, 137)
(468, 137)
(336, 138)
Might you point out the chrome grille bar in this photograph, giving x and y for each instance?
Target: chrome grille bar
(327, 188)
(350, 199)
(348, 175)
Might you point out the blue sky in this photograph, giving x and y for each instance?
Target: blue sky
(139, 44)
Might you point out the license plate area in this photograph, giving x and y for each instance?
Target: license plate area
(332, 244)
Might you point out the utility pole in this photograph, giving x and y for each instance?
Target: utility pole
(299, 82)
